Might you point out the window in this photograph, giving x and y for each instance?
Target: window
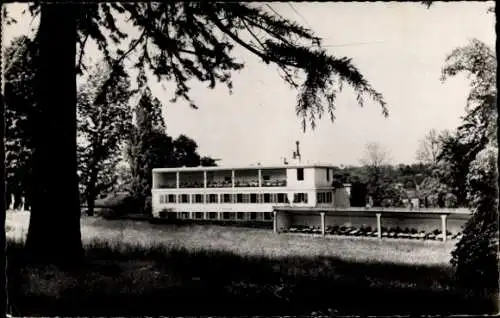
(266, 198)
(253, 215)
(327, 174)
(226, 215)
(300, 198)
(300, 174)
(268, 216)
(172, 198)
(239, 198)
(184, 198)
(212, 215)
(198, 215)
(184, 215)
(197, 198)
(212, 198)
(324, 197)
(253, 197)
(240, 215)
(227, 198)
(266, 178)
(227, 179)
(282, 198)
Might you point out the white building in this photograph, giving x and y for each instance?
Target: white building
(242, 193)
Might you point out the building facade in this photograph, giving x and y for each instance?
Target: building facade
(242, 193)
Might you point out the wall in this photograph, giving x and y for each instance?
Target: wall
(294, 184)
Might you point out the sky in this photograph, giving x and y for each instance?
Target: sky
(399, 47)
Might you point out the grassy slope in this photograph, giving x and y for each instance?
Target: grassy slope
(227, 271)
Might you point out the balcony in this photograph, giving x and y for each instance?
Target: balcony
(219, 184)
(274, 183)
(170, 185)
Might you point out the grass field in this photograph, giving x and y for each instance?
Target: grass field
(137, 268)
(248, 242)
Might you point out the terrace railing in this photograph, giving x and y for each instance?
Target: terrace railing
(274, 183)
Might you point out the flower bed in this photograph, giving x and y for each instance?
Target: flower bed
(368, 231)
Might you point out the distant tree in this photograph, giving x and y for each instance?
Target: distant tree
(454, 160)
(429, 147)
(186, 152)
(20, 109)
(148, 147)
(359, 193)
(208, 162)
(375, 161)
(104, 121)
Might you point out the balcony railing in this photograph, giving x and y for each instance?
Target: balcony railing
(219, 184)
(191, 184)
(274, 183)
(247, 183)
(167, 186)
(224, 184)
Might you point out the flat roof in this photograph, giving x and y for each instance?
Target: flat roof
(255, 167)
(375, 210)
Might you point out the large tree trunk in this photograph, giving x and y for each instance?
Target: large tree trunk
(91, 193)
(54, 230)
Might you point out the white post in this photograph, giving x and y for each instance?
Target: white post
(379, 227)
(322, 214)
(232, 178)
(443, 226)
(260, 178)
(275, 221)
(177, 180)
(204, 179)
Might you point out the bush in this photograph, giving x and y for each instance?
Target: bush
(148, 206)
(116, 205)
(475, 257)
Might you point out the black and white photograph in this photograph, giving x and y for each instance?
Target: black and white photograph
(225, 159)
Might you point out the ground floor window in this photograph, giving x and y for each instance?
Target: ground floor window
(184, 198)
(324, 197)
(227, 198)
(184, 215)
(212, 198)
(172, 198)
(253, 215)
(268, 216)
(300, 197)
(228, 215)
(197, 198)
(282, 198)
(198, 215)
(212, 215)
(240, 215)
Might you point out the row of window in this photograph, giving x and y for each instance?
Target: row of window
(234, 198)
(226, 215)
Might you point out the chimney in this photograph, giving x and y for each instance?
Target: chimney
(296, 153)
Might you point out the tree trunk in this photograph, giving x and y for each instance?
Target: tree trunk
(91, 192)
(54, 231)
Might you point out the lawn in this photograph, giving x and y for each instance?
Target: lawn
(137, 268)
(250, 242)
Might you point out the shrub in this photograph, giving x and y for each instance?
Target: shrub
(116, 205)
(148, 206)
(475, 256)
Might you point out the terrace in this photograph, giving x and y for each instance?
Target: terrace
(221, 179)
